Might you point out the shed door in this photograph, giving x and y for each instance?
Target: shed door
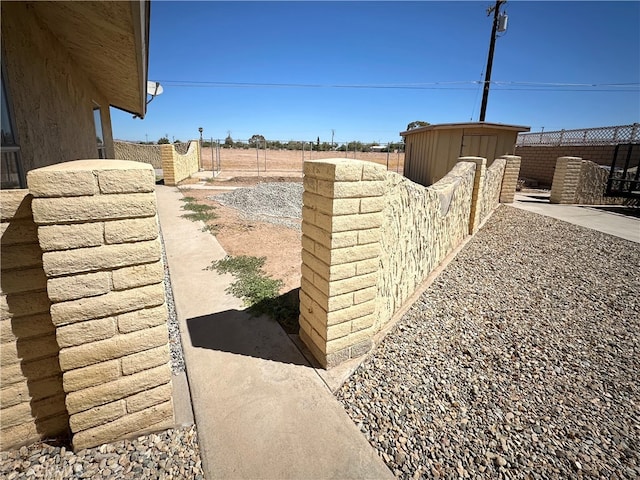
(479, 146)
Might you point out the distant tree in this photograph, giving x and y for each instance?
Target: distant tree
(163, 141)
(318, 142)
(256, 140)
(177, 141)
(417, 124)
(228, 142)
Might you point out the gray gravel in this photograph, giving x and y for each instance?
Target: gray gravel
(170, 454)
(520, 361)
(175, 342)
(279, 203)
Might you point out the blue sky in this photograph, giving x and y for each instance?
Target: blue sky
(202, 52)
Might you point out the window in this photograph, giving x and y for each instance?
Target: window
(11, 174)
(97, 120)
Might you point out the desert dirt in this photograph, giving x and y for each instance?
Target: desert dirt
(239, 236)
(240, 162)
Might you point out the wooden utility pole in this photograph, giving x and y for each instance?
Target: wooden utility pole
(492, 45)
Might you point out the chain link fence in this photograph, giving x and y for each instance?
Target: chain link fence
(264, 155)
(586, 136)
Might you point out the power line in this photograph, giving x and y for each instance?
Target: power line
(460, 85)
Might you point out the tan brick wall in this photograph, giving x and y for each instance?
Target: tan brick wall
(510, 178)
(137, 152)
(177, 167)
(98, 228)
(539, 162)
(370, 237)
(478, 191)
(342, 207)
(492, 188)
(31, 394)
(565, 180)
(578, 181)
(592, 186)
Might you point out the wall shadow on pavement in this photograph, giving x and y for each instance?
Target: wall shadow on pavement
(239, 332)
(627, 211)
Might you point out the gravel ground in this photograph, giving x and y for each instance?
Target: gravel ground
(520, 361)
(279, 203)
(172, 454)
(175, 342)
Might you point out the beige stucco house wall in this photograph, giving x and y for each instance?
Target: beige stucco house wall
(60, 60)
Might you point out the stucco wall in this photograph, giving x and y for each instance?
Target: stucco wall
(139, 153)
(52, 98)
(31, 396)
(175, 166)
(420, 226)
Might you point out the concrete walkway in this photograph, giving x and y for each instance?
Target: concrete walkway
(261, 410)
(610, 219)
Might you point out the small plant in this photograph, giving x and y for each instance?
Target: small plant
(198, 211)
(258, 290)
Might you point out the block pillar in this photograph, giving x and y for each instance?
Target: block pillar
(98, 229)
(478, 185)
(167, 155)
(565, 180)
(510, 178)
(341, 222)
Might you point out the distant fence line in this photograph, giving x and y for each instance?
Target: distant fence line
(307, 145)
(314, 145)
(586, 136)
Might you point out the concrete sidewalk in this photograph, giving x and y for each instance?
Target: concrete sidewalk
(261, 410)
(604, 218)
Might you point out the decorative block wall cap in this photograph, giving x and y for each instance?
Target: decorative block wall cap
(344, 169)
(91, 165)
(477, 160)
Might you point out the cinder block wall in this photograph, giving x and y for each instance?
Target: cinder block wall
(370, 237)
(341, 221)
(539, 162)
(98, 229)
(31, 397)
(421, 226)
(139, 153)
(578, 181)
(177, 167)
(492, 187)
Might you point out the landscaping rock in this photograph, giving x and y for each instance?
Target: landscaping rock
(520, 361)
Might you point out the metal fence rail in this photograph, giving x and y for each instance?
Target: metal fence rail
(586, 136)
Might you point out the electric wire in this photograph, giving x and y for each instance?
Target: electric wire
(450, 85)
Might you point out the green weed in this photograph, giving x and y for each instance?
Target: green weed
(198, 211)
(259, 291)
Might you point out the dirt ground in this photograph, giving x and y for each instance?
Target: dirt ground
(240, 168)
(236, 162)
(239, 236)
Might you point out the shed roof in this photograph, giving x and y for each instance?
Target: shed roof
(455, 126)
(109, 41)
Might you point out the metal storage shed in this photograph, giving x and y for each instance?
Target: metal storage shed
(432, 151)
